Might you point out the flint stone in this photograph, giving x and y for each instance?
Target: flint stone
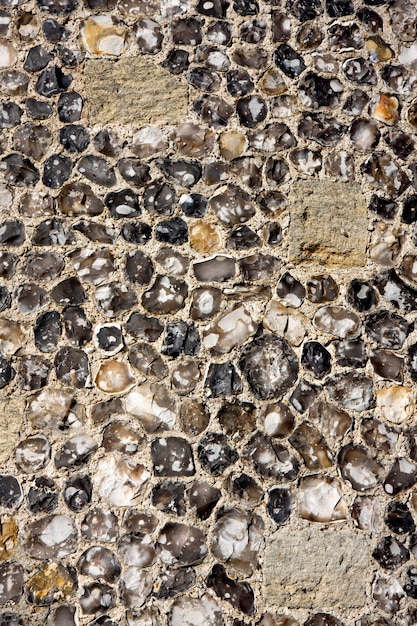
(133, 90)
(340, 209)
(316, 568)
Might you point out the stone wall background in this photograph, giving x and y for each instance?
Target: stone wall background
(208, 295)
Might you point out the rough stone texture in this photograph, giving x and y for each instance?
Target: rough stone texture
(328, 223)
(316, 568)
(120, 92)
(11, 415)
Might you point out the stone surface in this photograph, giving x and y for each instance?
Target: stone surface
(316, 568)
(119, 91)
(11, 416)
(340, 210)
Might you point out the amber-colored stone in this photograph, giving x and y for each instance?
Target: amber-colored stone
(8, 536)
(205, 237)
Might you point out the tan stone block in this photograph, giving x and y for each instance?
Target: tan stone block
(133, 90)
(317, 568)
(328, 223)
(11, 415)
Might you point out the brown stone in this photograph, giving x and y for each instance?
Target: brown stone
(133, 90)
(317, 568)
(340, 209)
(11, 413)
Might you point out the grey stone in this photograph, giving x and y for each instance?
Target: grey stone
(340, 209)
(317, 568)
(133, 90)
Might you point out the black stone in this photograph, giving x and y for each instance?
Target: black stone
(169, 497)
(372, 21)
(388, 329)
(304, 395)
(138, 267)
(400, 143)
(5, 298)
(203, 79)
(54, 31)
(74, 138)
(220, 32)
(177, 60)
(350, 353)
(174, 231)
(77, 326)
(52, 232)
(385, 207)
(38, 110)
(193, 205)
(60, 7)
(409, 212)
(123, 203)
(37, 59)
(242, 238)
(159, 199)
(390, 553)
(181, 338)
(361, 295)
(97, 170)
(395, 291)
(173, 582)
(305, 10)
(70, 58)
(398, 518)
(70, 106)
(223, 380)
(143, 327)
(181, 172)
(339, 8)
(245, 107)
(214, 8)
(289, 61)
(238, 594)
(410, 587)
(213, 110)
(246, 7)
(172, 456)
(319, 91)
(47, 331)
(108, 143)
(254, 31)
(359, 71)
(138, 233)
(10, 490)
(134, 172)
(68, 291)
(19, 171)
(186, 31)
(12, 233)
(77, 493)
(43, 497)
(215, 454)
(239, 83)
(7, 373)
(51, 81)
(291, 289)
(72, 367)
(316, 359)
(412, 361)
(57, 170)
(279, 505)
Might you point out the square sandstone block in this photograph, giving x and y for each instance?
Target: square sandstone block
(133, 90)
(328, 223)
(317, 568)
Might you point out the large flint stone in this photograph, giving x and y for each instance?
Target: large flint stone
(270, 366)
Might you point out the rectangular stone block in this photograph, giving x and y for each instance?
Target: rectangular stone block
(133, 90)
(317, 568)
(328, 223)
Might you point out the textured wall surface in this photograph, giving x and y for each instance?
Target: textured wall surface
(208, 293)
